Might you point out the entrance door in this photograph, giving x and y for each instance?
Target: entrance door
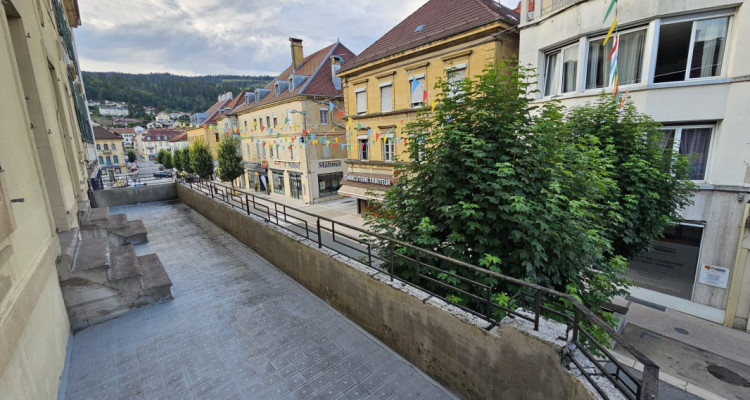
(295, 185)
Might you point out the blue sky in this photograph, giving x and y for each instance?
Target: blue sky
(243, 37)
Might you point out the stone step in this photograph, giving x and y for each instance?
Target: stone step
(122, 232)
(68, 247)
(91, 254)
(153, 274)
(123, 263)
(84, 207)
(98, 217)
(117, 221)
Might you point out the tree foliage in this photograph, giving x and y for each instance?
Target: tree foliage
(519, 189)
(201, 161)
(185, 160)
(166, 160)
(177, 160)
(230, 162)
(132, 156)
(160, 156)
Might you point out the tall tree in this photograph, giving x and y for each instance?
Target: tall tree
(201, 161)
(229, 160)
(132, 156)
(517, 189)
(177, 159)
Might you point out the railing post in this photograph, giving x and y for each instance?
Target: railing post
(369, 255)
(276, 212)
(576, 321)
(391, 251)
(320, 239)
(487, 302)
(649, 389)
(537, 308)
(247, 202)
(417, 260)
(211, 189)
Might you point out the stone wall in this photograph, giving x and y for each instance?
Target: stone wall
(450, 345)
(133, 195)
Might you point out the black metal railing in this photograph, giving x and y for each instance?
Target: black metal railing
(529, 302)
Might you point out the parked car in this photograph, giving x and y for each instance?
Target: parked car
(162, 174)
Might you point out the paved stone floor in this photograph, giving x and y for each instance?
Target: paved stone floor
(237, 328)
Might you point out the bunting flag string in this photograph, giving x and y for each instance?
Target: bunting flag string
(614, 53)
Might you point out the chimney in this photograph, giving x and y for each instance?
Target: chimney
(297, 55)
(336, 62)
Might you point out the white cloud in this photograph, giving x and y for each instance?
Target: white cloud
(225, 36)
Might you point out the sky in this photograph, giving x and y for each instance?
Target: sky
(237, 37)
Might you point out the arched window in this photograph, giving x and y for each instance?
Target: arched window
(101, 159)
(106, 147)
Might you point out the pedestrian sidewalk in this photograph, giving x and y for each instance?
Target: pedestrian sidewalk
(695, 355)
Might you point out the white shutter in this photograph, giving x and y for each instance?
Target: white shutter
(386, 98)
(418, 94)
(361, 102)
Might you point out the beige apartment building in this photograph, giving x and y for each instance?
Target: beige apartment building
(110, 151)
(393, 79)
(46, 158)
(686, 64)
(293, 130)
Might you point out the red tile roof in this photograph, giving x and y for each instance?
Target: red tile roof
(124, 131)
(438, 19)
(213, 112)
(156, 135)
(104, 133)
(317, 67)
(182, 137)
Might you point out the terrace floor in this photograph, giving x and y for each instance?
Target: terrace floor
(237, 328)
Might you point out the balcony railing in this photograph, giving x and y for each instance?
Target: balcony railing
(538, 301)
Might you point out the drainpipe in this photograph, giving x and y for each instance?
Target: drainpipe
(738, 273)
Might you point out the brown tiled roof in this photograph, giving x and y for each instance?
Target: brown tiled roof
(158, 133)
(122, 131)
(213, 112)
(439, 19)
(104, 133)
(316, 67)
(182, 137)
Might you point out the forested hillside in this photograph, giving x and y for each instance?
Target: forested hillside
(166, 92)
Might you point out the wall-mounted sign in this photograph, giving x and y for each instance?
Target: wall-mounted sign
(329, 164)
(714, 276)
(369, 179)
(264, 164)
(285, 164)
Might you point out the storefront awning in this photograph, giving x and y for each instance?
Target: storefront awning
(361, 192)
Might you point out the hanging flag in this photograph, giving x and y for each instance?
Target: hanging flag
(424, 97)
(377, 136)
(312, 136)
(359, 126)
(341, 114)
(612, 4)
(615, 42)
(433, 105)
(414, 84)
(611, 29)
(369, 132)
(330, 106)
(304, 132)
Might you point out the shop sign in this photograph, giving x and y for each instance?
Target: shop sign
(285, 164)
(714, 276)
(369, 179)
(264, 164)
(329, 164)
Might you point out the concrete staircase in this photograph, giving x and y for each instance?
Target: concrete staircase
(101, 276)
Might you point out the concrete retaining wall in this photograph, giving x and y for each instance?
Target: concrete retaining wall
(133, 195)
(445, 342)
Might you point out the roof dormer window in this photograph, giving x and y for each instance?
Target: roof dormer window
(276, 89)
(291, 83)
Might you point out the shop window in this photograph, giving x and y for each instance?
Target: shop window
(324, 116)
(363, 147)
(691, 49)
(388, 149)
(361, 96)
(386, 97)
(694, 141)
(278, 181)
(328, 184)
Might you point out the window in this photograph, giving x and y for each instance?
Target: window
(278, 181)
(388, 149)
(268, 121)
(327, 151)
(276, 90)
(109, 161)
(324, 116)
(114, 146)
(98, 147)
(101, 160)
(694, 141)
(278, 152)
(245, 125)
(275, 122)
(292, 152)
(629, 60)
(386, 97)
(264, 151)
(247, 147)
(271, 151)
(363, 148)
(257, 149)
(106, 147)
(690, 49)
(456, 76)
(149, 138)
(417, 89)
(551, 83)
(116, 160)
(291, 84)
(361, 95)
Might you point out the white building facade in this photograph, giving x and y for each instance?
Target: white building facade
(684, 63)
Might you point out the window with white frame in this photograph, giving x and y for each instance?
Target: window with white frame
(257, 149)
(264, 151)
(292, 152)
(361, 98)
(694, 141)
(247, 147)
(388, 148)
(324, 116)
(551, 81)
(362, 144)
(386, 97)
(691, 49)
(456, 75)
(629, 60)
(271, 147)
(417, 90)
(278, 151)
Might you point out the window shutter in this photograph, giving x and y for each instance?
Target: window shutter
(418, 94)
(361, 102)
(386, 98)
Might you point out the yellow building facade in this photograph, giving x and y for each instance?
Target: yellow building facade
(46, 157)
(209, 134)
(383, 92)
(110, 152)
(293, 131)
